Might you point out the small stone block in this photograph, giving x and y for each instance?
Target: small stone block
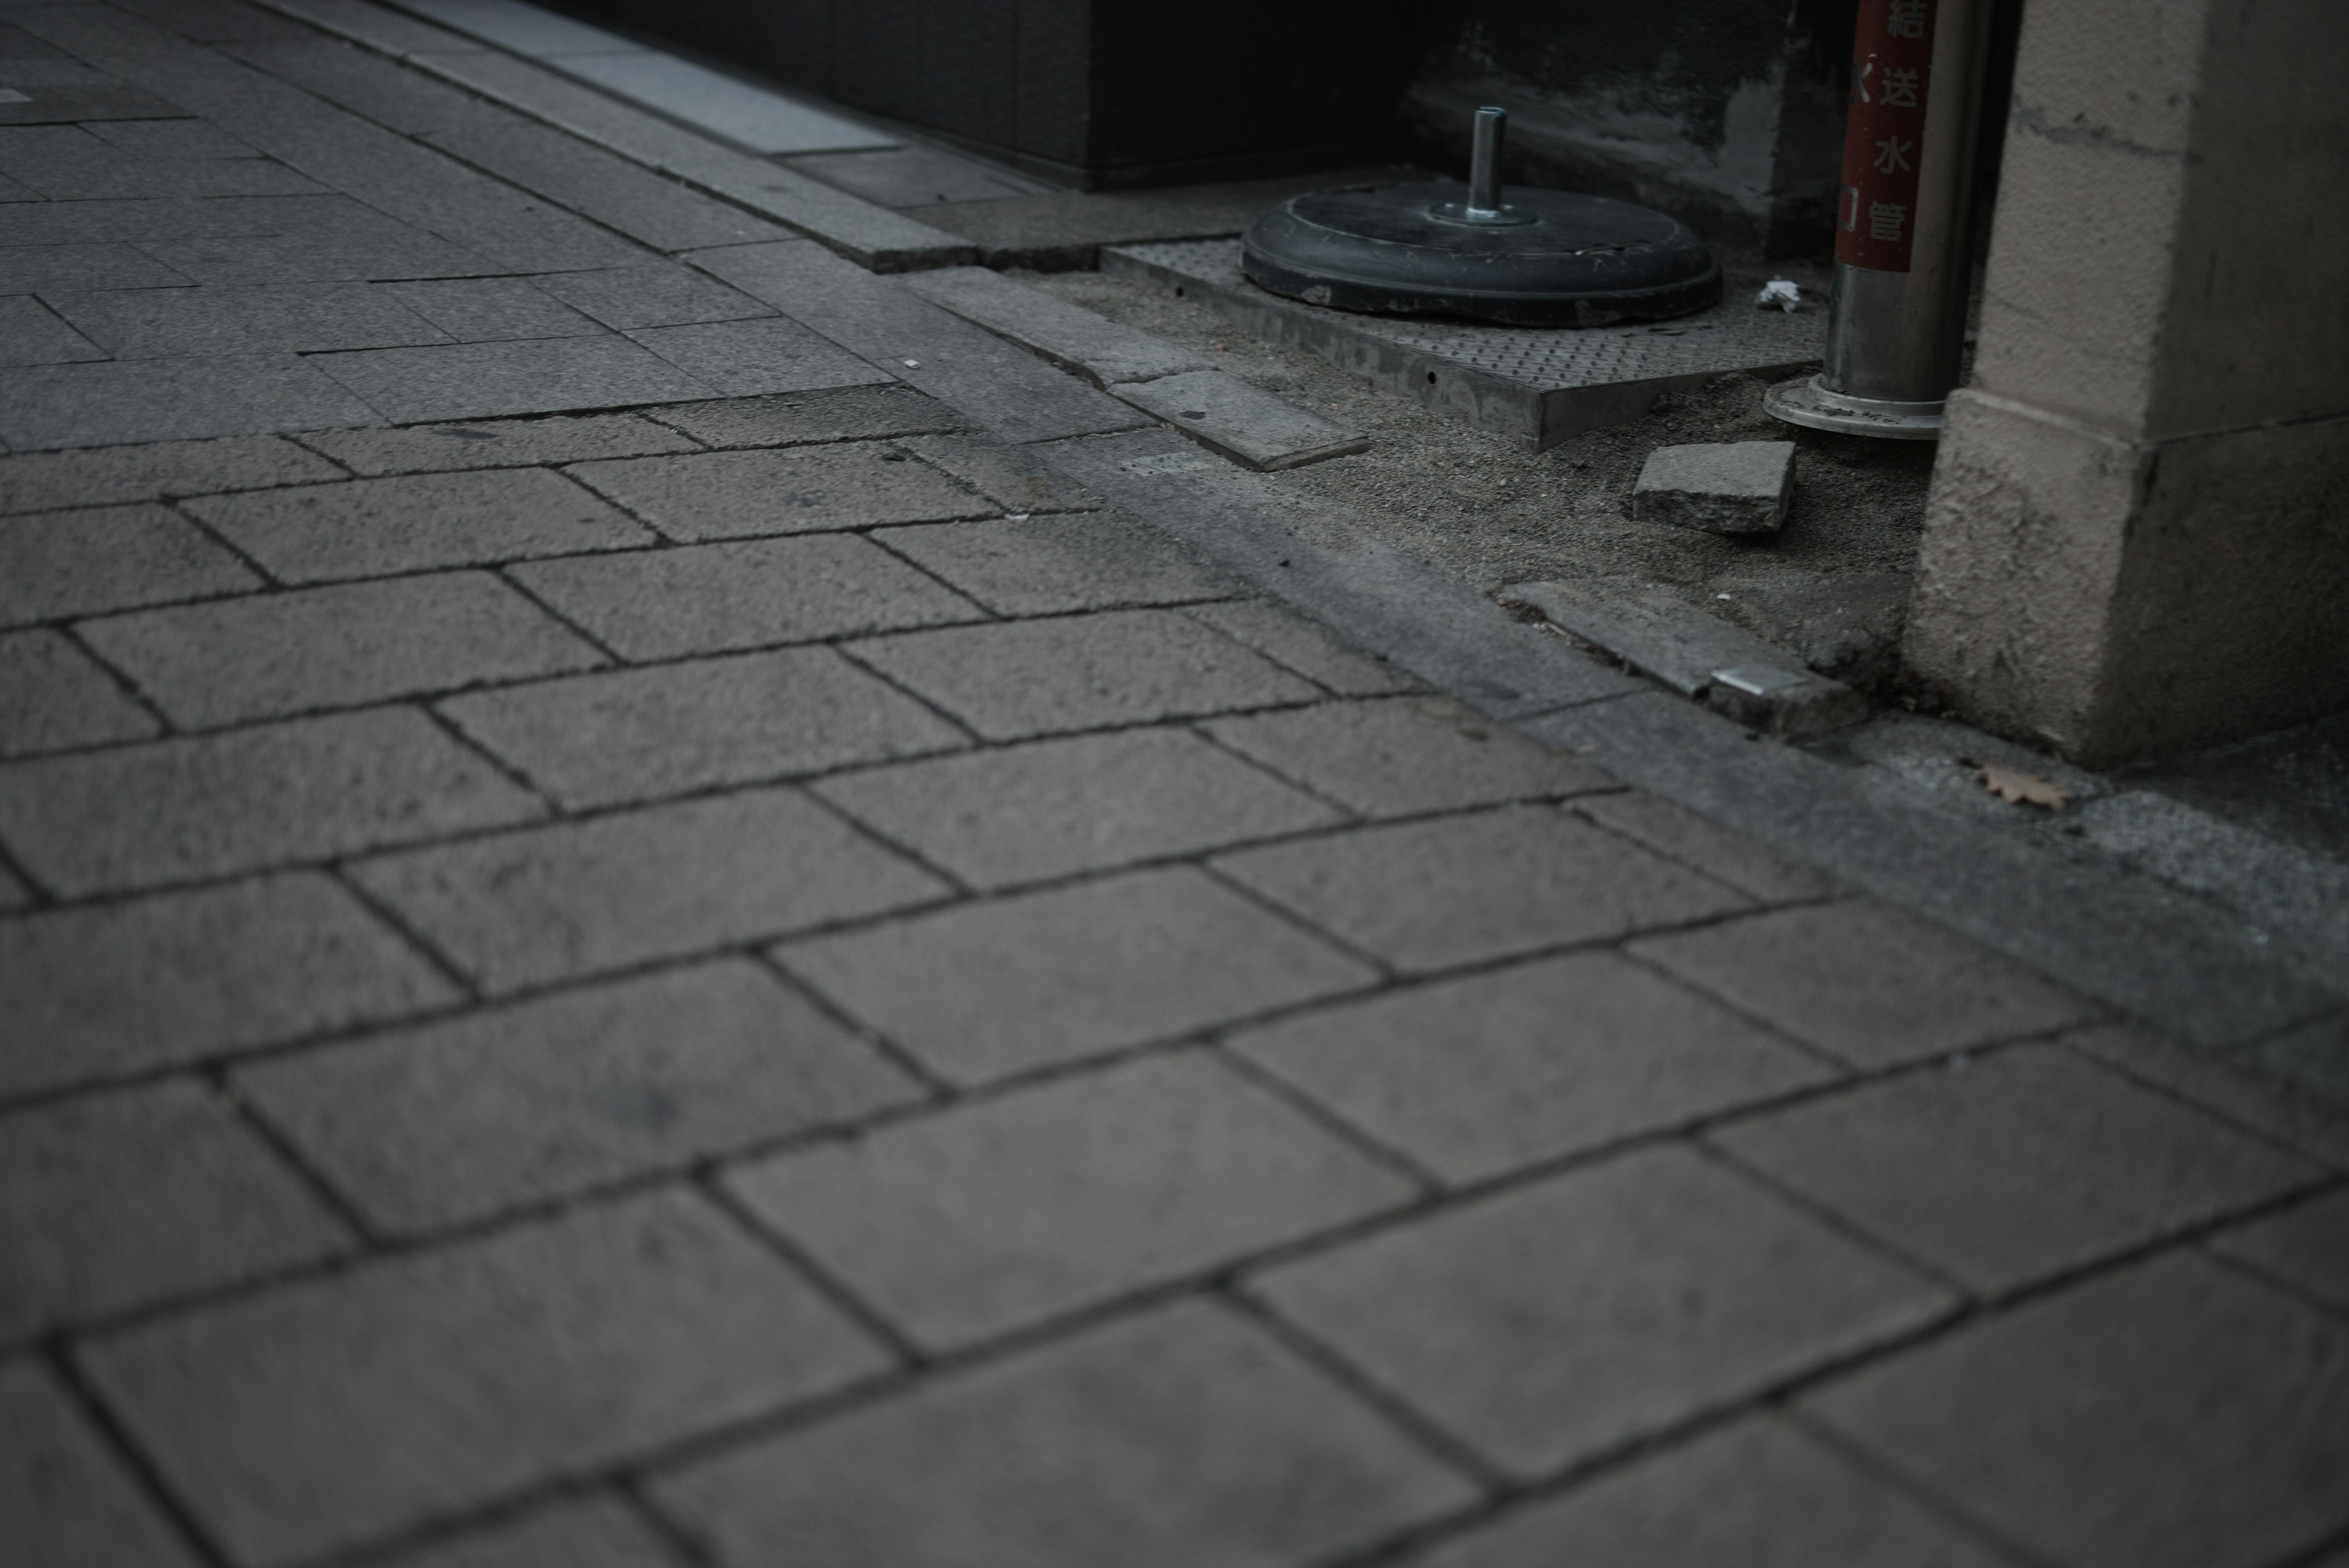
(1720, 487)
(1245, 423)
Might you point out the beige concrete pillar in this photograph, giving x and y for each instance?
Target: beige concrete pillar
(2138, 535)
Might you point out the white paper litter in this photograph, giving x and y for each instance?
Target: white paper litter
(1782, 292)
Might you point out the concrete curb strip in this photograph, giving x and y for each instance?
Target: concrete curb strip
(1102, 351)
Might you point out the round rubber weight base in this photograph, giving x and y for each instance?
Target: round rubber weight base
(1559, 260)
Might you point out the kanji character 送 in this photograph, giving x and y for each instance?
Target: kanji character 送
(1901, 88)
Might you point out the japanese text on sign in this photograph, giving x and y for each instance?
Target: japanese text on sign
(1884, 140)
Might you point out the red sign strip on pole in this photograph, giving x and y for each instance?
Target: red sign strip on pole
(1883, 141)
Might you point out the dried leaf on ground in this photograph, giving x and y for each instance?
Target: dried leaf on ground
(2022, 788)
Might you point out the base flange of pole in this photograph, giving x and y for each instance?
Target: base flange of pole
(1809, 402)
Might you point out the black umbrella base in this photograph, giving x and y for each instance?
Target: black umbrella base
(1549, 258)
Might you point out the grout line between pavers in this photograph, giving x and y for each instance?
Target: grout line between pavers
(710, 1183)
(146, 1475)
(940, 1089)
(1948, 1509)
(288, 1152)
(394, 919)
(2272, 1281)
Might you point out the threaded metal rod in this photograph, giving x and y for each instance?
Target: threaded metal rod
(1484, 162)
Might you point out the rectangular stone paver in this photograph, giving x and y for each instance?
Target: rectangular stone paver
(657, 293)
(2108, 1425)
(638, 734)
(1477, 1077)
(38, 481)
(496, 443)
(1401, 757)
(59, 564)
(320, 1417)
(470, 381)
(1555, 1323)
(52, 698)
(336, 646)
(573, 899)
(842, 413)
(64, 1499)
(1013, 475)
(1872, 984)
(490, 309)
(1082, 673)
(1761, 1494)
(983, 990)
(111, 1201)
(984, 1218)
(308, 790)
(596, 1532)
(1182, 1440)
(1282, 635)
(1050, 808)
(1041, 565)
(428, 1127)
(1675, 831)
(715, 598)
(2306, 1247)
(48, 406)
(1433, 894)
(740, 494)
(2023, 1163)
(175, 978)
(296, 317)
(770, 354)
(368, 527)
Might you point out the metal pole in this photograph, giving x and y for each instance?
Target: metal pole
(1897, 315)
(1485, 163)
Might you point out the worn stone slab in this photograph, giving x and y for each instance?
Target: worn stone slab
(66, 162)
(490, 309)
(31, 334)
(2175, 1415)
(102, 992)
(1431, 894)
(840, 413)
(652, 294)
(1673, 830)
(454, 1121)
(470, 381)
(172, 139)
(1866, 982)
(987, 989)
(33, 481)
(905, 177)
(2024, 1164)
(377, 27)
(523, 28)
(31, 269)
(1475, 1078)
(574, 898)
(1052, 808)
(1244, 422)
(713, 598)
(370, 249)
(977, 1220)
(1402, 757)
(595, 1531)
(317, 1417)
(1042, 566)
(1105, 352)
(1720, 487)
(742, 495)
(2305, 1247)
(768, 354)
(115, 401)
(184, 218)
(54, 565)
(312, 789)
(113, 1201)
(53, 699)
(369, 527)
(2274, 1110)
(1177, 1440)
(766, 122)
(1012, 475)
(1693, 1291)
(640, 734)
(494, 443)
(159, 323)
(336, 646)
(65, 1498)
(1762, 1493)
(1122, 666)
(1287, 637)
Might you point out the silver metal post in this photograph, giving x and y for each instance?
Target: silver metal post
(1485, 163)
(1897, 314)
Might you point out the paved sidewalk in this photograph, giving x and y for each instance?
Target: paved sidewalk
(745, 972)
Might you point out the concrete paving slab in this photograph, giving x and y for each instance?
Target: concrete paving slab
(1120, 667)
(32, 334)
(69, 164)
(1434, 894)
(526, 29)
(1866, 983)
(1073, 973)
(911, 177)
(2025, 1164)
(1041, 565)
(165, 323)
(487, 443)
(1013, 475)
(51, 406)
(2278, 1111)
(743, 494)
(1178, 1439)
(844, 413)
(980, 1219)
(1677, 832)
(512, 1359)
(33, 266)
(116, 1201)
(62, 103)
(368, 527)
(250, 800)
(1695, 1290)
(1287, 637)
(378, 27)
(2087, 1426)
(36, 481)
(1476, 1078)
(2306, 1247)
(337, 647)
(765, 121)
(1053, 808)
(575, 898)
(1720, 487)
(65, 1497)
(470, 380)
(214, 21)
(1242, 422)
(53, 699)
(656, 293)
(716, 598)
(641, 734)
(595, 1531)
(356, 252)
(770, 354)
(1404, 757)
(172, 139)
(54, 565)
(427, 1127)
(490, 309)
(127, 987)
(1105, 352)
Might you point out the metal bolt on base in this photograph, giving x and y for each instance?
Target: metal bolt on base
(1484, 206)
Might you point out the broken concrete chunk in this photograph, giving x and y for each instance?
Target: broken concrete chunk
(1722, 487)
(1241, 422)
(1081, 341)
(1784, 701)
